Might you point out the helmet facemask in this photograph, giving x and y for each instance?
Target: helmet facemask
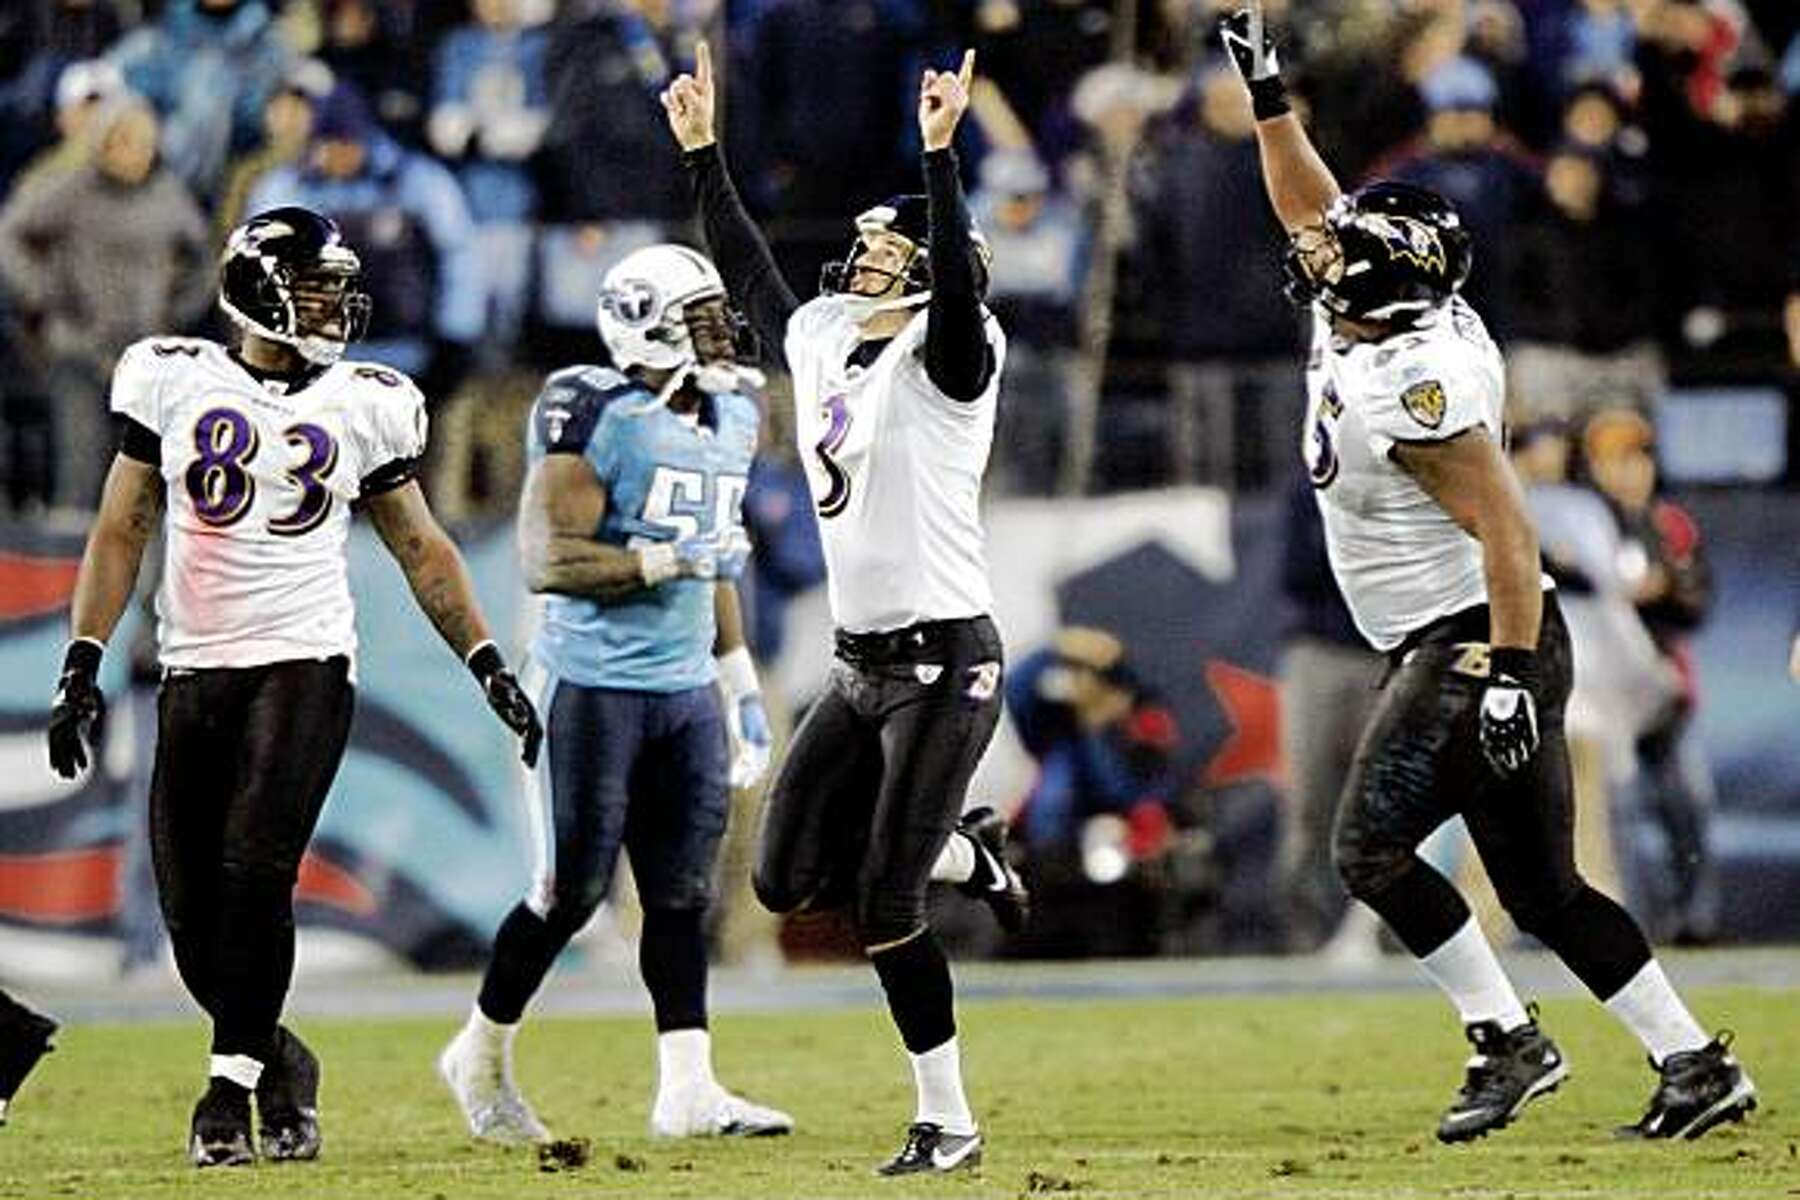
(286, 277)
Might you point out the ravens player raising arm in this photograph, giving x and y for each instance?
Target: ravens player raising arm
(1432, 548)
(895, 365)
(260, 450)
(630, 524)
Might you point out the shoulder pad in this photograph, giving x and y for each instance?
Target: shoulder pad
(571, 403)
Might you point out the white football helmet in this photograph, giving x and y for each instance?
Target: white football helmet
(643, 307)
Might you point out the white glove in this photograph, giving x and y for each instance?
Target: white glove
(748, 738)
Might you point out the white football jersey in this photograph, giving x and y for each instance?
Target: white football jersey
(1399, 558)
(259, 486)
(895, 469)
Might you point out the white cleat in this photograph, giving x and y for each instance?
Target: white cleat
(484, 1089)
(715, 1112)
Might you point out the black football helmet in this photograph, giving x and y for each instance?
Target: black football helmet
(1387, 251)
(288, 275)
(910, 217)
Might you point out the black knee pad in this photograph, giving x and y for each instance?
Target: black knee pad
(1368, 867)
(774, 894)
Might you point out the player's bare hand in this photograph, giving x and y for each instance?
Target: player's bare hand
(943, 98)
(689, 102)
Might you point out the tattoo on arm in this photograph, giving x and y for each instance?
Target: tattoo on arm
(432, 564)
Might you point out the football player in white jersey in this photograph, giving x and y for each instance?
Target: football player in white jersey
(257, 452)
(896, 369)
(1430, 542)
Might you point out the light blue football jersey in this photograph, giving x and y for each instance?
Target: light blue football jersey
(666, 478)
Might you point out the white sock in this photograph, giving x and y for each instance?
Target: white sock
(1649, 1007)
(1467, 971)
(492, 1039)
(938, 1075)
(957, 862)
(241, 1069)
(683, 1061)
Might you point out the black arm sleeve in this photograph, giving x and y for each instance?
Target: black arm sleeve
(738, 248)
(137, 440)
(957, 356)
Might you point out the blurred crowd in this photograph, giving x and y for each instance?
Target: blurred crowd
(490, 159)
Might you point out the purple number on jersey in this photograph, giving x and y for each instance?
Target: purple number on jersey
(838, 497)
(315, 499)
(222, 491)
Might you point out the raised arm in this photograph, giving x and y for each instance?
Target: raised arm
(737, 246)
(956, 349)
(1299, 184)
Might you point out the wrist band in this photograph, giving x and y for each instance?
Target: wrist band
(83, 654)
(1515, 661)
(1268, 98)
(656, 563)
(484, 660)
(737, 673)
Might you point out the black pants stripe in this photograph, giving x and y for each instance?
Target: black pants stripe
(244, 758)
(875, 778)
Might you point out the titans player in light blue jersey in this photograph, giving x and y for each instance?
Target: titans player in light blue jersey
(630, 522)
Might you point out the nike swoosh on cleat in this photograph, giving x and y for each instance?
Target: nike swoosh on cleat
(944, 1162)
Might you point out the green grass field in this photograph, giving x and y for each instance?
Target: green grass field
(1261, 1096)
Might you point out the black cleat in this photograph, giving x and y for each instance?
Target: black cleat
(929, 1148)
(287, 1101)
(24, 1038)
(1507, 1071)
(994, 883)
(1699, 1089)
(221, 1131)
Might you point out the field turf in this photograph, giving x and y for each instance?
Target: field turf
(1277, 1096)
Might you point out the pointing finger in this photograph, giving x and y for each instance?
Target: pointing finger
(966, 74)
(703, 65)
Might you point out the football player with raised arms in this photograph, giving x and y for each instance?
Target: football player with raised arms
(630, 523)
(1430, 542)
(252, 457)
(896, 369)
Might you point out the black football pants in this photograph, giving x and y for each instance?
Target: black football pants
(875, 777)
(1420, 762)
(244, 758)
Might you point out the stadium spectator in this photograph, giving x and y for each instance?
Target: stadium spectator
(815, 162)
(1744, 177)
(364, 45)
(406, 215)
(1664, 562)
(1231, 337)
(1098, 808)
(39, 41)
(1329, 677)
(1032, 50)
(208, 67)
(80, 92)
(27, 450)
(489, 112)
(1621, 682)
(287, 131)
(1585, 294)
(1039, 243)
(604, 65)
(91, 261)
(1467, 157)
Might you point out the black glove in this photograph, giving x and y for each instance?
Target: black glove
(1256, 62)
(77, 710)
(1509, 730)
(507, 699)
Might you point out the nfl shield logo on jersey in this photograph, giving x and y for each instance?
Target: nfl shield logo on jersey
(1425, 403)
